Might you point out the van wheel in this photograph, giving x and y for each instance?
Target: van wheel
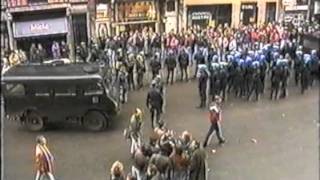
(34, 122)
(94, 121)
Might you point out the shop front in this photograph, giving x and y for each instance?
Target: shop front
(136, 15)
(248, 13)
(210, 15)
(43, 31)
(103, 21)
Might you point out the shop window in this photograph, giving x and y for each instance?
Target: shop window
(302, 2)
(171, 6)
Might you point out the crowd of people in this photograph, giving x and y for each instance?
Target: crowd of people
(224, 60)
(36, 54)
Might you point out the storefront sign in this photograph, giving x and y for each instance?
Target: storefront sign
(200, 15)
(40, 27)
(247, 6)
(289, 2)
(133, 11)
(103, 12)
(296, 8)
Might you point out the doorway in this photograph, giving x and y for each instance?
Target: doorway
(79, 24)
(271, 9)
(45, 41)
(249, 13)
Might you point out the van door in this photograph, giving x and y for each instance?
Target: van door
(65, 104)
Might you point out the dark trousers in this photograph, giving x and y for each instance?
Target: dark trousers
(215, 127)
(155, 116)
(154, 74)
(203, 97)
(170, 73)
(140, 80)
(184, 72)
(256, 90)
(274, 90)
(297, 75)
(130, 81)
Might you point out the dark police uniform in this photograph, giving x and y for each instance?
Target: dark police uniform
(203, 87)
(154, 103)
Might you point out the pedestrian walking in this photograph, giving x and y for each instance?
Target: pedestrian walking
(215, 125)
(155, 104)
(117, 171)
(44, 160)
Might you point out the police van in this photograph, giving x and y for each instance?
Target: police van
(37, 95)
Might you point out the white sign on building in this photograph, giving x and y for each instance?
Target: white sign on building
(289, 2)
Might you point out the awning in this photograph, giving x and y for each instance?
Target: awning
(40, 27)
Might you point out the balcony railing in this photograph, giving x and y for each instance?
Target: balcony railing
(24, 3)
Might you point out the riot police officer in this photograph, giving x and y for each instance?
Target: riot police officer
(223, 79)
(305, 73)
(202, 86)
(200, 59)
(214, 79)
(171, 65)
(154, 103)
(275, 82)
(298, 65)
(256, 81)
(285, 74)
(184, 63)
(239, 79)
(248, 75)
(314, 66)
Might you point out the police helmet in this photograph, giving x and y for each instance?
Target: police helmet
(215, 58)
(230, 58)
(314, 52)
(255, 64)
(307, 58)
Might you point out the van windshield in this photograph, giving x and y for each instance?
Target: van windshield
(94, 89)
(14, 89)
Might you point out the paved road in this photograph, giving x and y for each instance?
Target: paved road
(286, 132)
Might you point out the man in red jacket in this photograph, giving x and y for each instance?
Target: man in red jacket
(215, 119)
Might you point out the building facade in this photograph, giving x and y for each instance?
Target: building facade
(295, 11)
(4, 30)
(45, 21)
(233, 12)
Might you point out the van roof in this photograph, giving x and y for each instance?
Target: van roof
(51, 72)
